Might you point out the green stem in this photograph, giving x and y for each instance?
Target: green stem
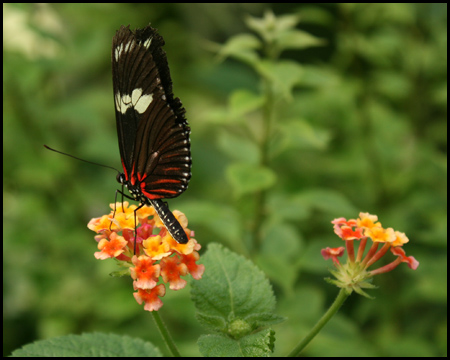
(260, 196)
(342, 296)
(165, 334)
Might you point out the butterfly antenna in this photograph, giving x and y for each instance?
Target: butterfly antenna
(86, 161)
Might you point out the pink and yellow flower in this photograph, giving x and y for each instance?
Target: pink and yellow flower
(355, 275)
(159, 258)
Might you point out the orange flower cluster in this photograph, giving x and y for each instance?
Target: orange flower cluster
(158, 256)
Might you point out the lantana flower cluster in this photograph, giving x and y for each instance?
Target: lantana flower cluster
(355, 275)
(159, 259)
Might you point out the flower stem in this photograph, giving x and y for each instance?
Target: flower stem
(342, 296)
(261, 198)
(165, 334)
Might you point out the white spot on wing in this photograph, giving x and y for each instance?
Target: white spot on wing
(137, 101)
(118, 52)
(117, 101)
(141, 102)
(128, 46)
(122, 102)
(123, 49)
(125, 103)
(136, 95)
(147, 43)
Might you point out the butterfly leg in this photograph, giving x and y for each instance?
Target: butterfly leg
(115, 202)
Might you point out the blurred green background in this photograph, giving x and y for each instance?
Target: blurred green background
(365, 130)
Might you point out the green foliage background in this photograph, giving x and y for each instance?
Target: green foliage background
(362, 128)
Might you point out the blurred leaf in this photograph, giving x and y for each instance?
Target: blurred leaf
(288, 207)
(281, 240)
(392, 84)
(281, 248)
(222, 219)
(297, 39)
(270, 26)
(244, 101)
(300, 134)
(238, 147)
(328, 201)
(284, 75)
(247, 178)
(241, 47)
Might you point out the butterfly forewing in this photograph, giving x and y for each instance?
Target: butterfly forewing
(153, 133)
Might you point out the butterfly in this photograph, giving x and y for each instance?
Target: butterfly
(152, 129)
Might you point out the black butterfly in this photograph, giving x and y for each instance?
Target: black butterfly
(151, 125)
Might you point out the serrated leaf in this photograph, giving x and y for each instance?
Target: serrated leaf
(247, 178)
(232, 288)
(89, 345)
(254, 345)
(212, 322)
(265, 319)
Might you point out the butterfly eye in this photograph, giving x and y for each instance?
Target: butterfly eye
(121, 178)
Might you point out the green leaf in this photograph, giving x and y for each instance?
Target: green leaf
(281, 273)
(289, 207)
(297, 39)
(284, 75)
(280, 253)
(254, 345)
(247, 178)
(120, 273)
(269, 27)
(89, 345)
(234, 296)
(244, 101)
(300, 134)
(329, 201)
(281, 240)
(219, 218)
(242, 47)
(238, 147)
(286, 22)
